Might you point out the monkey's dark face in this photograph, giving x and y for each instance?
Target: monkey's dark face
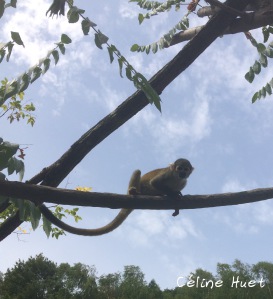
(183, 167)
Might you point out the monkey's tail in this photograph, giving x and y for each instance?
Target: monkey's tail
(116, 222)
(133, 189)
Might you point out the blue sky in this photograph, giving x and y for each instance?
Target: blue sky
(207, 118)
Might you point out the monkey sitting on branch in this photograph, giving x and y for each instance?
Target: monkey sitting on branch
(163, 181)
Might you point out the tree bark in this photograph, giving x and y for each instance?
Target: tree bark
(40, 194)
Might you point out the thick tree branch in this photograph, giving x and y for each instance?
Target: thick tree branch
(54, 174)
(40, 194)
(238, 25)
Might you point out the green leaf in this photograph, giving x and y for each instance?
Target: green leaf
(255, 97)
(265, 34)
(2, 8)
(161, 43)
(56, 56)
(17, 38)
(3, 160)
(73, 15)
(22, 171)
(261, 48)
(120, 63)
(129, 71)
(36, 73)
(186, 22)
(62, 48)
(2, 176)
(46, 65)
(269, 52)
(257, 67)
(142, 48)
(10, 47)
(250, 76)
(168, 38)
(86, 24)
(263, 60)
(65, 39)
(148, 48)
(11, 165)
(263, 92)
(13, 3)
(9, 148)
(268, 89)
(25, 82)
(2, 54)
(134, 48)
(46, 226)
(141, 82)
(270, 29)
(100, 39)
(154, 47)
(97, 41)
(35, 215)
(111, 53)
(140, 18)
(22, 207)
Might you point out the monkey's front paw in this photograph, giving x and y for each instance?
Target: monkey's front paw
(133, 191)
(175, 213)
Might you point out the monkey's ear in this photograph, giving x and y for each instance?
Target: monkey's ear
(172, 166)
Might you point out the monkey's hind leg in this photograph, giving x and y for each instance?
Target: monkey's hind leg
(134, 184)
(176, 211)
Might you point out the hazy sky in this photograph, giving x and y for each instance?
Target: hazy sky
(207, 118)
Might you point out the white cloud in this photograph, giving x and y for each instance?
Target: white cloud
(233, 185)
(264, 212)
(183, 228)
(128, 10)
(147, 228)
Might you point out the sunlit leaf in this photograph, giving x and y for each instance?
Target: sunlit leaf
(17, 38)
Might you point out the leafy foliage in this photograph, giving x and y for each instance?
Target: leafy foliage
(15, 107)
(28, 211)
(8, 160)
(264, 53)
(17, 86)
(157, 7)
(6, 48)
(49, 280)
(3, 6)
(101, 39)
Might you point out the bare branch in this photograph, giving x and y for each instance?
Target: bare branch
(39, 194)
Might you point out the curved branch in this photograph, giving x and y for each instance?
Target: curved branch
(40, 194)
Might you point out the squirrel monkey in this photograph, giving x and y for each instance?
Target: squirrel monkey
(164, 181)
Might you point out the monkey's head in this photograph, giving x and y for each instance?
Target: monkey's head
(182, 167)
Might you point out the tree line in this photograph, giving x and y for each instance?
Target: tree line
(40, 278)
